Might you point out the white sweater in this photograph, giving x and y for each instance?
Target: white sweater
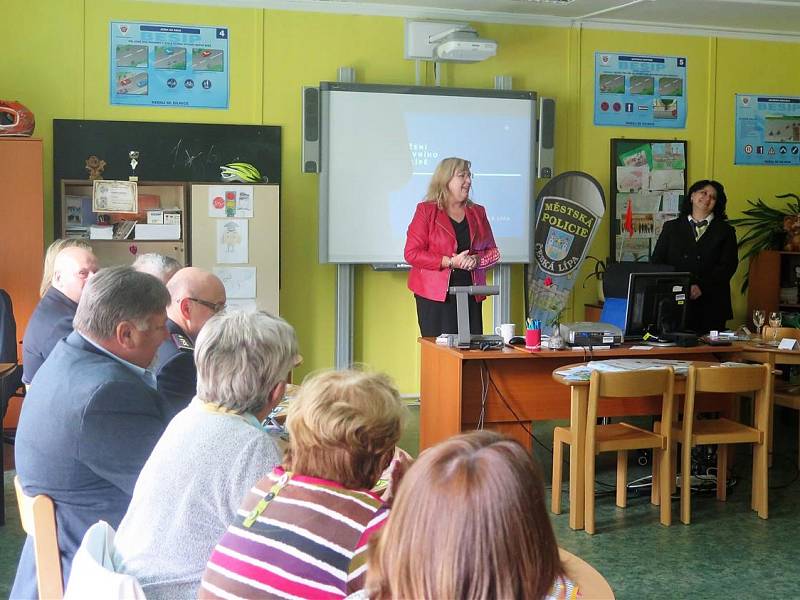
(186, 496)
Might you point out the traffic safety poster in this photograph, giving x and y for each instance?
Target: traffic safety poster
(169, 65)
(632, 90)
(767, 130)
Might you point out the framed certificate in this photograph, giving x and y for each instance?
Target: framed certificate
(114, 196)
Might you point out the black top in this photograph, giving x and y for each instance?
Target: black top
(176, 375)
(460, 276)
(712, 260)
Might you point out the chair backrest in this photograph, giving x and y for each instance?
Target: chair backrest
(591, 583)
(94, 575)
(781, 332)
(728, 380)
(8, 330)
(632, 384)
(38, 517)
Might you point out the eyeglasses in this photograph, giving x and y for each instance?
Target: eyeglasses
(214, 307)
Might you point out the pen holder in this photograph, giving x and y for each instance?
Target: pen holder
(533, 338)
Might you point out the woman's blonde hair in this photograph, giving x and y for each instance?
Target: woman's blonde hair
(50, 259)
(444, 172)
(469, 522)
(343, 426)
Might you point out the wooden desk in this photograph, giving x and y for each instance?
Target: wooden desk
(518, 387)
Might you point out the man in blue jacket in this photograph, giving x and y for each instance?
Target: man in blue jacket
(93, 416)
(52, 318)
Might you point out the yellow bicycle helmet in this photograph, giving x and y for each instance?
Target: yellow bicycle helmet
(243, 172)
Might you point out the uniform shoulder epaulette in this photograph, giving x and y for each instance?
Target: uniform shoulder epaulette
(182, 342)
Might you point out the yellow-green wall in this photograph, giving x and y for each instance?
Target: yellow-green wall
(56, 62)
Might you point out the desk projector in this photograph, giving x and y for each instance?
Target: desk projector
(585, 333)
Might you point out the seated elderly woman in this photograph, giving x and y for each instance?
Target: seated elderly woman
(469, 521)
(210, 454)
(303, 530)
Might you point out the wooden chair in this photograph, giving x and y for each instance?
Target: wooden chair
(38, 517)
(692, 432)
(619, 437)
(783, 394)
(591, 583)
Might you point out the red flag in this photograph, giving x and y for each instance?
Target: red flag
(629, 219)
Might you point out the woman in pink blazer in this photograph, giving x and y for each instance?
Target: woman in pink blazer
(449, 243)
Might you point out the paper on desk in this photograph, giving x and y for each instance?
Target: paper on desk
(642, 347)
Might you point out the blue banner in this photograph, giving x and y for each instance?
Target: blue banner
(169, 65)
(640, 91)
(767, 130)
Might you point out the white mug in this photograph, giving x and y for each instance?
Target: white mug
(506, 331)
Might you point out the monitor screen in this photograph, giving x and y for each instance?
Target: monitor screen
(657, 303)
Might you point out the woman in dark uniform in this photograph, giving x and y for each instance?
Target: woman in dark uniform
(702, 242)
(449, 243)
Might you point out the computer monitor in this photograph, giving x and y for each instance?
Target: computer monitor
(657, 303)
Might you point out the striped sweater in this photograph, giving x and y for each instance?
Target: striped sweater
(309, 542)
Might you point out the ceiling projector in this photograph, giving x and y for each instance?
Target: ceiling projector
(463, 46)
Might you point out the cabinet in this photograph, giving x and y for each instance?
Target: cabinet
(22, 224)
(255, 281)
(252, 278)
(770, 272)
(77, 216)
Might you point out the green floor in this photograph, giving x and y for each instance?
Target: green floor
(727, 552)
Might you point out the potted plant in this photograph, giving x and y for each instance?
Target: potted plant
(766, 228)
(598, 271)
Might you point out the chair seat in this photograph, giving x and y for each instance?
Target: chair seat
(720, 431)
(788, 396)
(618, 436)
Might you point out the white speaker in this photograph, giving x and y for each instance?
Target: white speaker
(311, 127)
(546, 138)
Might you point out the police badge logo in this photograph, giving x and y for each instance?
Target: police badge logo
(558, 244)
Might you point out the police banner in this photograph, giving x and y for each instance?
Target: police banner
(569, 210)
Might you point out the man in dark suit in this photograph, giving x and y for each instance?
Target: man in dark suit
(196, 296)
(52, 318)
(702, 242)
(93, 416)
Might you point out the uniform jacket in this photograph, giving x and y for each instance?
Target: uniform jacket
(50, 321)
(176, 375)
(712, 260)
(431, 236)
(85, 431)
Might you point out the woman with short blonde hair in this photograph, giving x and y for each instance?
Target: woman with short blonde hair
(303, 530)
(444, 172)
(469, 522)
(343, 426)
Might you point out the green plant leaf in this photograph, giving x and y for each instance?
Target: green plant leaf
(763, 225)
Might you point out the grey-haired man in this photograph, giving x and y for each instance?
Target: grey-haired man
(90, 422)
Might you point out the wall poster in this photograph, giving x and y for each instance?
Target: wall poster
(640, 91)
(648, 181)
(767, 130)
(169, 65)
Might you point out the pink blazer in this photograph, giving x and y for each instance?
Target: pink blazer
(431, 236)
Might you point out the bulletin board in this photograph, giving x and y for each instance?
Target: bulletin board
(648, 182)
